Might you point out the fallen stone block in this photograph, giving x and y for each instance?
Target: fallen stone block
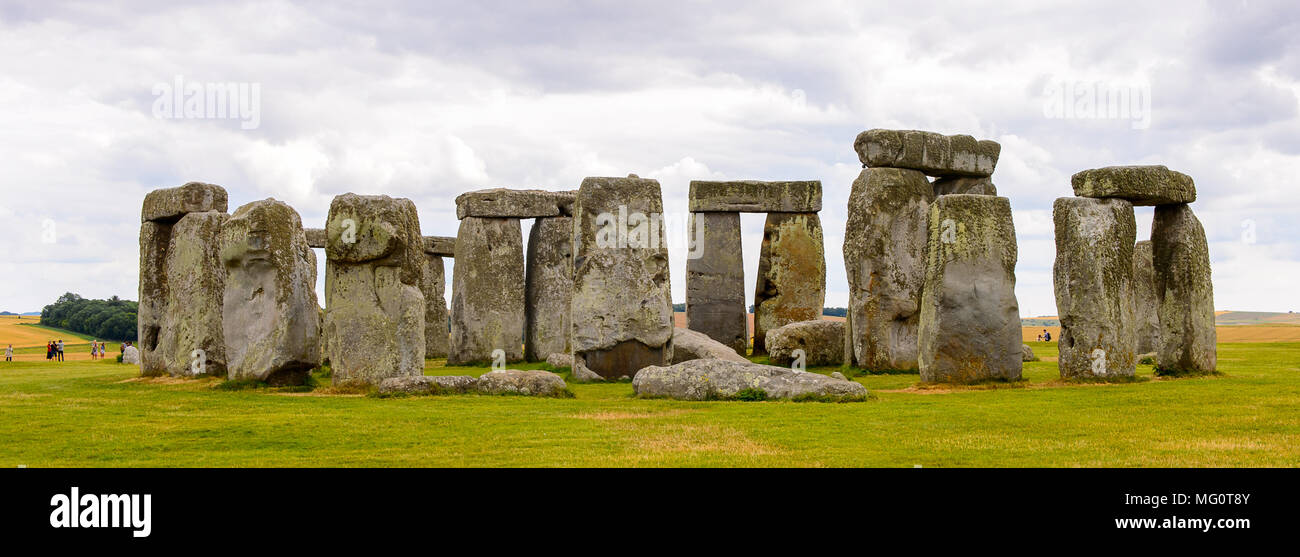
(522, 382)
(694, 345)
(427, 384)
(726, 380)
(822, 342)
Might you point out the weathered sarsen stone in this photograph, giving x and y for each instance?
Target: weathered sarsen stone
(270, 315)
(548, 288)
(791, 283)
(487, 291)
(715, 280)
(182, 335)
(970, 320)
(441, 246)
(170, 204)
(1182, 268)
(374, 312)
(1141, 185)
(1093, 278)
(694, 345)
(723, 380)
(752, 196)
(437, 326)
(885, 241)
(622, 304)
(315, 237)
(822, 342)
(964, 184)
(1146, 305)
(508, 203)
(931, 153)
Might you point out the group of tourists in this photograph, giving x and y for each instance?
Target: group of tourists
(96, 350)
(54, 350)
(1045, 336)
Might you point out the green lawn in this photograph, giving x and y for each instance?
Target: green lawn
(95, 414)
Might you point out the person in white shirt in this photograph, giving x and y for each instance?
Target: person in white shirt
(9, 353)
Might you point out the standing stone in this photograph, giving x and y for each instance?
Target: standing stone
(1093, 278)
(183, 335)
(884, 254)
(487, 291)
(155, 237)
(270, 317)
(374, 312)
(437, 326)
(1146, 305)
(970, 320)
(791, 284)
(549, 288)
(1186, 293)
(622, 314)
(715, 280)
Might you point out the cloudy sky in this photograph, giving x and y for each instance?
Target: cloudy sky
(427, 100)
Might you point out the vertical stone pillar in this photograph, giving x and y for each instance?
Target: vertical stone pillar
(549, 288)
(1093, 278)
(1146, 305)
(715, 280)
(622, 314)
(1186, 292)
(437, 327)
(885, 242)
(791, 283)
(970, 320)
(270, 316)
(487, 303)
(374, 313)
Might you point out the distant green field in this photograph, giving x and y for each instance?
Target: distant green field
(97, 414)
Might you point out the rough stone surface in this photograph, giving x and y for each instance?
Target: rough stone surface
(964, 184)
(131, 355)
(970, 320)
(622, 315)
(1186, 293)
(487, 291)
(931, 153)
(722, 379)
(821, 340)
(548, 288)
(441, 246)
(315, 237)
(170, 204)
(838, 375)
(791, 284)
(1093, 279)
(426, 384)
(182, 285)
(374, 310)
(694, 345)
(508, 203)
(558, 360)
(270, 316)
(1146, 305)
(1140, 185)
(885, 241)
(437, 320)
(715, 280)
(751, 196)
(1027, 354)
(521, 382)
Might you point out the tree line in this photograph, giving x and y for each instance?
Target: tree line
(111, 319)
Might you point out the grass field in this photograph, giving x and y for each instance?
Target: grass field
(101, 414)
(29, 338)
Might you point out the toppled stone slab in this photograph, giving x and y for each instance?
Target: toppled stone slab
(752, 196)
(170, 204)
(885, 241)
(548, 288)
(437, 320)
(970, 320)
(426, 384)
(315, 237)
(694, 345)
(516, 204)
(487, 291)
(1093, 279)
(1186, 292)
(726, 380)
(932, 153)
(440, 246)
(964, 184)
(715, 280)
(1146, 305)
(821, 340)
(622, 303)
(131, 355)
(182, 286)
(791, 283)
(1027, 354)
(530, 382)
(1139, 185)
(270, 316)
(557, 360)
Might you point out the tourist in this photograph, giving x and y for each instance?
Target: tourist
(94, 349)
(59, 349)
(1040, 337)
(49, 350)
(1047, 337)
(9, 353)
